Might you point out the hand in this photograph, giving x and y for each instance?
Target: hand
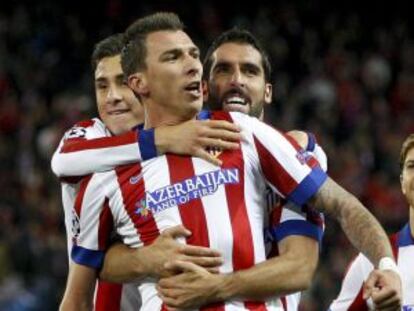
(192, 288)
(384, 287)
(165, 248)
(194, 137)
(300, 137)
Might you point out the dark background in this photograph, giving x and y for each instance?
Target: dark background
(342, 71)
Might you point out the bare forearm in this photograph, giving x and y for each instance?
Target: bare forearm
(79, 289)
(360, 226)
(285, 274)
(123, 264)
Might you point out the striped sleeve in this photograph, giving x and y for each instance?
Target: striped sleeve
(350, 296)
(94, 224)
(283, 163)
(289, 219)
(86, 148)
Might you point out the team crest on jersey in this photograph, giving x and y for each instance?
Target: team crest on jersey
(184, 191)
(215, 151)
(142, 209)
(76, 132)
(302, 156)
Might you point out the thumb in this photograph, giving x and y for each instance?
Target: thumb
(177, 231)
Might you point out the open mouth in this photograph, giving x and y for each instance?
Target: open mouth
(235, 101)
(194, 88)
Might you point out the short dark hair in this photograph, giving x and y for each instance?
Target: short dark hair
(241, 36)
(135, 51)
(408, 144)
(108, 47)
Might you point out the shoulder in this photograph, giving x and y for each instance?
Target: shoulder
(87, 129)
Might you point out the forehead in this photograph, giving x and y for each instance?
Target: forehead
(410, 154)
(237, 53)
(108, 66)
(161, 41)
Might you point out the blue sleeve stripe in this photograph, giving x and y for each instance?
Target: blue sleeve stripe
(146, 143)
(308, 187)
(297, 227)
(311, 142)
(87, 257)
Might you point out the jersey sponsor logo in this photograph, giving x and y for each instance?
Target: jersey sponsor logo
(408, 308)
(76, 132)
(184, 191)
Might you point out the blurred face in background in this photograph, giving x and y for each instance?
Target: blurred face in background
(407, 177)
(237, 80)
(118, 107)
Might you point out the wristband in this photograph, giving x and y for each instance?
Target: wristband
(387, 263)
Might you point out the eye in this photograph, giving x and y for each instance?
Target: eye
(251, 71)
(195, 54)
(221, 69)
(101, 86)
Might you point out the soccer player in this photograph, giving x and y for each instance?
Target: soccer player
(291, 228)
(352, 295)
(121, 266)
(97, 142)
(223, 207)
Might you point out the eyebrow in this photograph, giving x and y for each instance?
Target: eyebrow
(117, 77)
(243, 64)
(179, 51)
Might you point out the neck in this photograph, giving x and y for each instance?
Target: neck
(412, 220)
(158, 115)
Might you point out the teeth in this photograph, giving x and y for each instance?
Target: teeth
(236, 100)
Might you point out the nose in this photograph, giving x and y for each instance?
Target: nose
(194, 66)
(237, 78)
(114, 95)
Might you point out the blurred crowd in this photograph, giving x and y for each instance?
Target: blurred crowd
(346, 75)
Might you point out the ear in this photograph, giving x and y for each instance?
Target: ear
(204, 88)
(402, 184)
(268, 93)
(138, 83)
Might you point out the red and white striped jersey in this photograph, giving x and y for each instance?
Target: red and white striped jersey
(222, 206)
(350, 296)
(87, 147)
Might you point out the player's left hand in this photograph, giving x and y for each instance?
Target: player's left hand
(192, 288)
(384, 287)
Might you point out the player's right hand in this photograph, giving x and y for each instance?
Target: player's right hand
(196, 137)
(166, 248)
(384, 287)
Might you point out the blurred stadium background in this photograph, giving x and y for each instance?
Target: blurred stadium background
(345, 73)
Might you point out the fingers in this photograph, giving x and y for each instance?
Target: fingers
(200, 251)
(217, 143)
(214, 270)
(177, 231)
(206, 262)
(184, 266)
(370, 284)
(223, 134)
(221, 124)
